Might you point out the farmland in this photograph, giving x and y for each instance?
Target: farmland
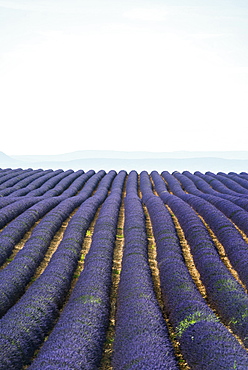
(116, 270)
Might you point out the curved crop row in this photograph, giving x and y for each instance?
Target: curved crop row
(35, 319)
(16, 229)
(231, 210)
(206, 190)
(77, 184)
(63, 184)
(141, 337)
(23, 184)
(77, 339)
(8, 173)
(49, 184)
(36, 183)
(231, 183)
(204, 341)
(218, 185)
(224, 292)
(237, 178)
(15, 276)
(235, 246)
(14, 209)
(24, 326)
(16, 181)
(204, 185)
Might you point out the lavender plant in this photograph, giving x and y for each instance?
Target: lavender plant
(24, 326)
(225, 294)
(77, 339)
(204, 341)
(141, 338)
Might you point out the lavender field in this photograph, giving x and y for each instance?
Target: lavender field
(117, 270)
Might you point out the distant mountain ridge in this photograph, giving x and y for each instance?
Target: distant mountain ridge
(118, 160)
(83, 154)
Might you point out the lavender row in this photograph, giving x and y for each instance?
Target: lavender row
(235, 246)
(230, 209)
(24, 326)
(18, 176)
(16, 229)
(63, 184)
(244, 175)
(46, 184)
(235, 209)
(141, 337)
(49, 184)
(218, 185)
(22, 186)
(225, 294)
(19, 182)
(59, 184)
(18, 273)
(203, 186)
(14, 209)
(79, 183)
(77, 339)
(204, 190)
(241, 199)
(37, 183)
(65, 179)
(18, 205)
(204, 341)
(68, 186)
(8, 173)
(76, 185)
(237, 178)
(234, 183)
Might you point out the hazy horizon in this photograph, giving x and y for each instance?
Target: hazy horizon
(240, 154)
(139, 161)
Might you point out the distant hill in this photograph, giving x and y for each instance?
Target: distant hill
(9, 162)
(118, 160)
(83, 154)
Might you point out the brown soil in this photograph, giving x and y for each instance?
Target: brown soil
(192, 268)
(51, 249)
(85, 249)
(152, 258)
(222, 254)
(187, 255)
(19, 246)
(116, 269)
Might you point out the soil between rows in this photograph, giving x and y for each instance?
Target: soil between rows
(108, 347)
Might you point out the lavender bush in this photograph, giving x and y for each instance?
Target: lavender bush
(141, 338)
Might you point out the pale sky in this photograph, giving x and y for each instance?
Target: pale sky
(123, 75)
